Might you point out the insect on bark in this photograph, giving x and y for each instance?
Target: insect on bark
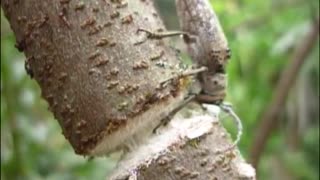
(208, 47)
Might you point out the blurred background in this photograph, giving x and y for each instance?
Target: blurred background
(281, 122)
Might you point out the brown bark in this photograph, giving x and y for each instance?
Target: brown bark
(93, 69)
(186, 149)
(100, 80)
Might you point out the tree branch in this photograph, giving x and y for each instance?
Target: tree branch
(101, 79)
(186, 149)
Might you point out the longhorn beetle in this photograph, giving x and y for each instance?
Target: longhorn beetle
(208, 47)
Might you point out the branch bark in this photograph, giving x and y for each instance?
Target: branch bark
(100, 78)
(186, 149)
(287, 79)
(101, 81)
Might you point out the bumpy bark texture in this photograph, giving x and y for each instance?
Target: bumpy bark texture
(189, 148)
(101, 81)
(94, 69)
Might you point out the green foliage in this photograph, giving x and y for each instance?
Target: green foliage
(262, 36)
